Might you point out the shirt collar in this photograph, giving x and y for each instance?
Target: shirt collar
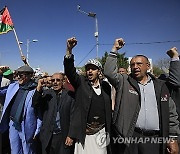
(149, 79)
(96, 86)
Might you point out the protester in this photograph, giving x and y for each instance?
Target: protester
(2, 70)
(122, 70)
(92, 113)
(143, 108)
(48, 82)
(67, 85)
(57, 106)
(4, 145)
(6, 80)
(19, 117)
(175, 90)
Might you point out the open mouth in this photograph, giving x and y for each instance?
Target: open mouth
(90, 75)
(55, 86)
(20, 80)
(136, 72)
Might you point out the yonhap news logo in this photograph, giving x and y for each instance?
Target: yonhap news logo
(138, 140)
(103, 139)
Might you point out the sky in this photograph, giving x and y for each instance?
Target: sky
(52, 22)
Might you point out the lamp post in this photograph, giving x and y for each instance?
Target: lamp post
(27, 48)
(96, 34)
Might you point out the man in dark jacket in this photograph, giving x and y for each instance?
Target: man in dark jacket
(174, 90)
(56, 105)
(143, 109)
(92, 115)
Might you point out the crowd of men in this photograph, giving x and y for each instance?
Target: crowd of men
(102, 111)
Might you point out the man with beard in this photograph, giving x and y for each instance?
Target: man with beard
(18, 114)
(143, 109)
(56, 105)
(92, 113)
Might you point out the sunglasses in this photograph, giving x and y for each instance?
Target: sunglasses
(57, 80)
(48, 82)
(22, 74)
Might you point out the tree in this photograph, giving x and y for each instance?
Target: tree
(157, 71)
(163, 64)
(122, 61)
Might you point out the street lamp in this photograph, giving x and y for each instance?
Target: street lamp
(27, 48)
(96, 34)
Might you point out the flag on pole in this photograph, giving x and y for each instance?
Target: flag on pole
(6, 23)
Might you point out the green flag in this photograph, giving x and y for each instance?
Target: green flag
(6, 23)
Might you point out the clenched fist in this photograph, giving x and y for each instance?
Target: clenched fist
(173, 53)
(3, 69)
(118, 44)
(71, 43)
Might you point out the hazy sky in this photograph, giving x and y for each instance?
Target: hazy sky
(52, 22)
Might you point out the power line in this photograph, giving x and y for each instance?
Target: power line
(157, 42)
(86, 55)
(140, 43)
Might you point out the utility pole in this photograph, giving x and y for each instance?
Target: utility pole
(96, 34)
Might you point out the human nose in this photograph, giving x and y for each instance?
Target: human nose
(136, 65)
(90, 70)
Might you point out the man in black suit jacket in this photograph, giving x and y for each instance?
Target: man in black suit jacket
(91, 118)
(56, 105)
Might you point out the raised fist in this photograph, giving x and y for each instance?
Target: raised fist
(118, 44)
(71, 43)
(41, 84)
(173, 53)
(3, 69)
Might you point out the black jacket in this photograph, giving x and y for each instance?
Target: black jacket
(83, 98)
(48, 104)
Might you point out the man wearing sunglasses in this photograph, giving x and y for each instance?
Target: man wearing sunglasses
(56, 105)
(92, 115)
(18, 115)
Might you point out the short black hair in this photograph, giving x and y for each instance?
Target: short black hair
(141, 56)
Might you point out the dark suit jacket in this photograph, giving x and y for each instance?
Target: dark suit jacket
(83, 96)
(48, 104)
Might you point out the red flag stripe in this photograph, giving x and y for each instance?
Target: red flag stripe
(6, 18)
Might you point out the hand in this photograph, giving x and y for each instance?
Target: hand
(118, 44)
(3, 69)
(173, 53)
(71, 43)
(41, 84)
(34, 137)
(23, 58)
(172, 147)
(68, 141)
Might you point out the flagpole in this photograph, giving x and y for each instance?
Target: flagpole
(8, 21)
(23, 58)
(20, 50)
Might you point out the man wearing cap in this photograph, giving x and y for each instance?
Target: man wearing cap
(92, 114)
(7, 78)
(18, 114)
